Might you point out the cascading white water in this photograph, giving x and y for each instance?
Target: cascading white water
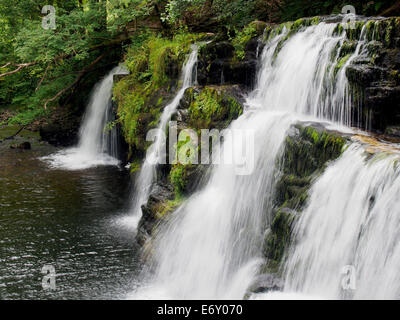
(147, 172)
(97, 144)
(210, 247)
(352, 219)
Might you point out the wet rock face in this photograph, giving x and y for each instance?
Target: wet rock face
(217, 64)
(153, 210)
(393, 131)
(60, 133)
(383, 101)
(23, 146)
(308, 149)
(376, 78)
(266, 283)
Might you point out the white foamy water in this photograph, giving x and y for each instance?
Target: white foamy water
(210, 248)
(352, 219)
(147, 172)
(97, 146)
(276, 295)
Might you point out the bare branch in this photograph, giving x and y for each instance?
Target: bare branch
(44, 76)
(80, 76)
(391, 10)
(19, 67)
(6, 65)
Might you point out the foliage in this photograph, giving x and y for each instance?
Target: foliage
(242, 38)
(85, 28)
(119, 12)
(295, 9)
(238, 13)
(154, 63)
(177, 178)
(56, 56)
(228, 12)
(58, 59)
(210, 106)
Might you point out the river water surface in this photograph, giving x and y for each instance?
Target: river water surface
(68, 219)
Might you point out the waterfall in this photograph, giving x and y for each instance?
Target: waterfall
(147, 173)
(352, 219)
(210, 248)
(98, 145)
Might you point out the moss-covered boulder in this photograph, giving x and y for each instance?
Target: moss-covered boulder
(210, 107)
(308, 149)
(161, 201)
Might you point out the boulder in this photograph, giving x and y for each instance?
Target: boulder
(266, 283)
(308, 149)
(217, 64)
(25, 146)
(154, 210)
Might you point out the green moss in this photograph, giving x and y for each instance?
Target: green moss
(272, 31)
(151, 60)
(278, 239)
(135, 166)
(348, 47)
(212, 105)
(315, 20)
(11, 130)
(395, 76)
(370, 27)
(169, 206)
(177, 176)
(306, 155)
(242, 38)
(338, 29)
(329, 145)
(291, 191)
(303, 22)
(389, 34)
(341, 63)
(354, 32)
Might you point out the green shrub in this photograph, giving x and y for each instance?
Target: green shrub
(242, 38)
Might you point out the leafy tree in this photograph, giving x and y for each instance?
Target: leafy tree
(39, 67)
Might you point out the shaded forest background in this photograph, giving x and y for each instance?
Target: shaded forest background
(42, 70)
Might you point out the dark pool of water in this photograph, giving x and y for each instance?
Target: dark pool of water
(67, 219)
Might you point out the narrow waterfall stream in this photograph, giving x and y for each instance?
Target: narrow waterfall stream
(98, 145)
(147, 173)
(210, 247)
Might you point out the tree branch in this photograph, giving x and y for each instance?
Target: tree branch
(19, 67)
(391, 10)
(6, 65)
(80, 76)
(44, 76)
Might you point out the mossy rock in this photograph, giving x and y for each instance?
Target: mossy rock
(308, 148)
(212, 107)
(229, 62)
(278, 239)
